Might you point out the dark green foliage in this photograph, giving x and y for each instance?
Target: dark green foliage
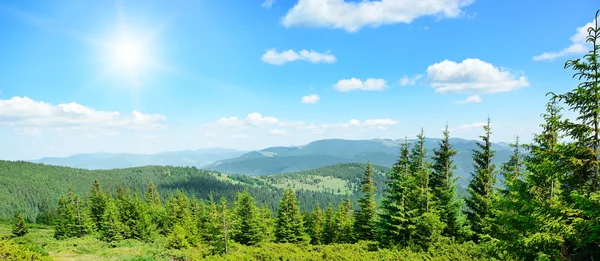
(329, 227)
(20, 226)
(392, 221)
(177, 238)
(247, 228)
(46, 215)
(289, 226)
(344, 223)
(481, 187)
(442, 185)
(133, 216)
(72, 218)
(267, 224)
(97, 204)
(111, 228)
(365, 224)
(317, 223)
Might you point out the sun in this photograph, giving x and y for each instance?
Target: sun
(128, 56)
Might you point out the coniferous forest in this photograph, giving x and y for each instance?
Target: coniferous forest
(543, 204)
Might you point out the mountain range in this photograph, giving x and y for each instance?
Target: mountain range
(274, 160)
(193, 158)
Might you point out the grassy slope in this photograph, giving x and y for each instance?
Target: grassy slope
(40, 240)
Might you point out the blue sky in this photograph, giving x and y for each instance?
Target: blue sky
(150, 76)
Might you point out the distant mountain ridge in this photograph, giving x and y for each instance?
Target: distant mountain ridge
(322, 153)
(196, 158)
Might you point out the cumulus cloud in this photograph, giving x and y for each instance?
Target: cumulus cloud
(473, 76)
(406, 80)
(578, 45)
(372, 123)
(277, 132)
(253, 119)
(469, 126)
(352, 15)
(279, 58)
(380, 122)
(25, 112)
(313, 98)
(267, 4)
(371, 84)
(470, 99)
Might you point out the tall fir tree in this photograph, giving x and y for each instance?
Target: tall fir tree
(111, 228)
(247, 225)
(481, 187)
(177, 238)
(289, 226)
(179, 213)
(317, 226)
(219, 226)
(443, 186)
(156, 210)
(365, 224)
(97, 204)
(344, 220)
(329, 226)
(20, 227)
(392, 218)
(267, 224)
(584, 101)
(420, 172)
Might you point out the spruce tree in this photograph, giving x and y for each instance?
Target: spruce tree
(20, 226)
(64, 219)
(344, 222)
(443, 185)
(156, 210)
(531, 222)
(329, 228)
(365, 225)
(481, 186)
(289, 226)
(247, 225)
(97, 204)
(177, 238)
(219, 226)
(392, 219)
(267, 224)
(317, 226)
(111, 228)
(584, 101)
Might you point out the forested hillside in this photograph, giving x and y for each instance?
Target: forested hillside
(27, 187)
(337, 179)
(321, 153)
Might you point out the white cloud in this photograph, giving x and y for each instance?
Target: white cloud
(279, 58)
(313, 98)
(267, 4)
(371, 84)
(473, 76)
(380, 122)
(578, 45)
(410, 80)
(372, 123)
(470, 99)
(469, 126)
(351, 16)
(277, 132)
(253, 119)
(23, 111)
